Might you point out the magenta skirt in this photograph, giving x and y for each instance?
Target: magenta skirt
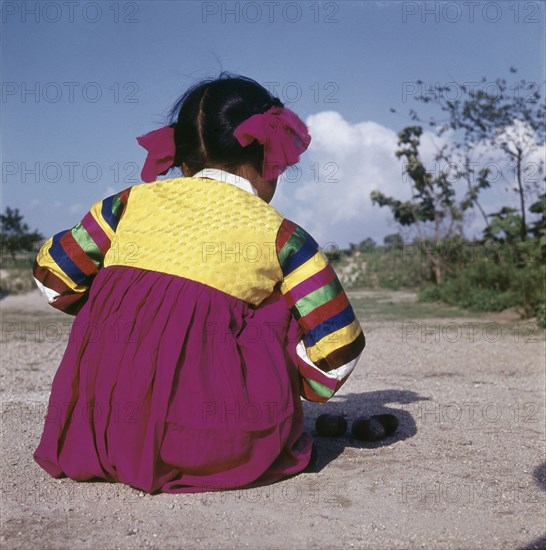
(169, 385)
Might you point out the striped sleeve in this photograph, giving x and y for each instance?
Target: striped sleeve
(332, 336)
(68, 262)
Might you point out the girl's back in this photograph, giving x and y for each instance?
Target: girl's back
(203, 229)
(202, 314)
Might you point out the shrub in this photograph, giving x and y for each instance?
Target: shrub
(486, 299)
(540, 313)
(431, 293)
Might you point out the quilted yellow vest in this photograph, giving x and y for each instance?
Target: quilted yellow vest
(205, 230)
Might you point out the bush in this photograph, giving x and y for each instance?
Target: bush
(477, 276)
(431, 293)
(16, 281)
(540, 313)
(475, 299)
(486, 286)
(486, 299)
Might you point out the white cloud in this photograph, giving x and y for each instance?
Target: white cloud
(361, 157)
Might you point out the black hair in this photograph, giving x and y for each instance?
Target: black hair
(206, 115)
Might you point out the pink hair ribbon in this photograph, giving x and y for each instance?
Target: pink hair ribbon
(283, 135)
(161, 151)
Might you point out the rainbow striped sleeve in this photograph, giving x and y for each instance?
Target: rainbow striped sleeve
(67, 262)
(333, 339)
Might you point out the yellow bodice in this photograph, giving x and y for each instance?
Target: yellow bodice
(205, 230)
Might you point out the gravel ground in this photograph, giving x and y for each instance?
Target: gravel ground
(466, 469)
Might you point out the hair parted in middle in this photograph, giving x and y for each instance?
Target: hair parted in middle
(206, 115)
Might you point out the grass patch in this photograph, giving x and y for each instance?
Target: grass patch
(401, 306)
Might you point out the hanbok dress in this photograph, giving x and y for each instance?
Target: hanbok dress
(202, 316)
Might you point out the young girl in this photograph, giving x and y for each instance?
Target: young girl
(202, 314)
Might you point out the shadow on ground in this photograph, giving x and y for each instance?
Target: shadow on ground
(353, 406)
(539, 474)
(538, 544)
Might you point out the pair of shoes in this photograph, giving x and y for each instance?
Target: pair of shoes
(374, 428)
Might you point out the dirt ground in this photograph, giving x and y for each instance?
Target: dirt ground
(466, 469)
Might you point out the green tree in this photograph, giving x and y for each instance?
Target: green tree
(433, 203)
(367, 245)
(508, 119)
(393, 241)
(505, 226)
(538, 228)
(15, 235)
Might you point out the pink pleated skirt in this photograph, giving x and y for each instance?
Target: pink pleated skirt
(169, 385)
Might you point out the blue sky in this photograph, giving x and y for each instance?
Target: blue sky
(80, 80)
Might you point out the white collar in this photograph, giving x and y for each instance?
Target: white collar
(221, 175)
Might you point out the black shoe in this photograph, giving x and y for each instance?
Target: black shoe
(388, 421)
(368, 429)
(331, 425)
(374, 428)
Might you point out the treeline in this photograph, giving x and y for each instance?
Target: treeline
(18, 244)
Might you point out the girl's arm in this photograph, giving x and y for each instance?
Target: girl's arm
(333, 339)
(68, 262)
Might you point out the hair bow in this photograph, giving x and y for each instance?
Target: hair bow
(161, 151)
(283, 135)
